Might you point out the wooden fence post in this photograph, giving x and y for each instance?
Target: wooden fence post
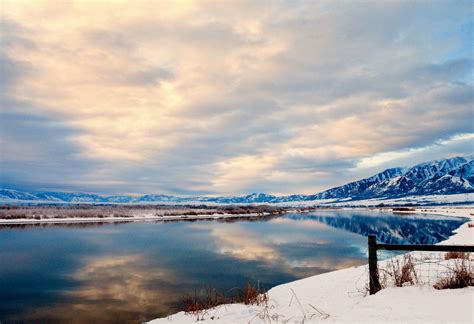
(374, 284)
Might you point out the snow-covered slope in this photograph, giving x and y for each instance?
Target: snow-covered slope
(448, 176)
(7, 194)
(443, 177)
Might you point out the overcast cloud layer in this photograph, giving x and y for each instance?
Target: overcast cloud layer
(230, 97)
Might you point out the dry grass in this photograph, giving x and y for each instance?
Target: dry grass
(399, 272)
(194, 304)
(252, 295)
(129, 211)
(461, 276)
(202, 300)
(441, 270)
(456, 255)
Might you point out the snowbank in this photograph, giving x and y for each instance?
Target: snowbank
(339, 296)
(427, 200)
(133, 218)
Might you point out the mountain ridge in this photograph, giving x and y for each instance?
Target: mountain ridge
(447, 176)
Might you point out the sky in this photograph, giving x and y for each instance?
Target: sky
(229, 97)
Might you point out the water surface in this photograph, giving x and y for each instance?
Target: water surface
(132, 272)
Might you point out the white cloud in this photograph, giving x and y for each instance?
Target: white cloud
(234, 97)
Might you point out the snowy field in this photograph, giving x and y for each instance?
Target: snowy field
(340, 296)
(129, 213)
(465, 198)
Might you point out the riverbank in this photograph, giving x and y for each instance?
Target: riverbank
(340, 296)
(11, 215)
(130, 219)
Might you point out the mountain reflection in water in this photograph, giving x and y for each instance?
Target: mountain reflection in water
(390, 228)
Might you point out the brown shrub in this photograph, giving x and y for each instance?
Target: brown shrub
(204, 299)
(400, 272)
(252, 296)
(460, 277)
(195, 304)
(456, 255)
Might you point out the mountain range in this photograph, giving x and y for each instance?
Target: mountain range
(448, 176)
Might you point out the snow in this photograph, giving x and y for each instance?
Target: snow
(427, 199)
(339, 296)
(464, 234)
(403, 305)
(141, 218)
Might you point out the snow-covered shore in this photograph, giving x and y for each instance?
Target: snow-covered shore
(95, 214)
(340, 296)
(129, 219)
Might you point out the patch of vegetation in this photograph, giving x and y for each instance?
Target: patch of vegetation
(461, 276)
(456, 255)
(399, 272)
(202, 300)
(56, 211)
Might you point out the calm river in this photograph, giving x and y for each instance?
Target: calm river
(132, 272)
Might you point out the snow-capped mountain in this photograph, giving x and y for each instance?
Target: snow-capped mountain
(448, 176)
(16, 195)
(358, 188)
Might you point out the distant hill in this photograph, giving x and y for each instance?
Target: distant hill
(447, 176)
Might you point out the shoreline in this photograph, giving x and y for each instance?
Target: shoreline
(19, 221)
(216, 216)
(337, 295)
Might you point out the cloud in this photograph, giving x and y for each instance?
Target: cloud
(121, 284)
(289, 246)
(192, 97)
(37, 150)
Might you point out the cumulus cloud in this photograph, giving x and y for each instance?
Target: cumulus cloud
(203, 98)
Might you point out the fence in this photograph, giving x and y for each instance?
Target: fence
(374, 282)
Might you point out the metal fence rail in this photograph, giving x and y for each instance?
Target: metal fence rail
(374, 282)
